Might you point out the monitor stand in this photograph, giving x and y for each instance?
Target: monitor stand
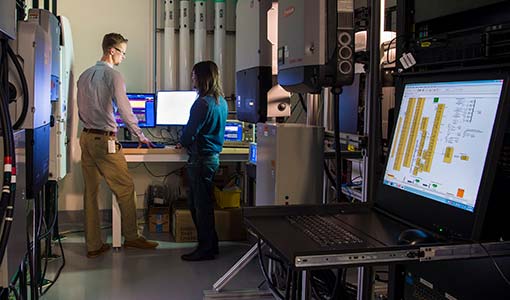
(127, 135)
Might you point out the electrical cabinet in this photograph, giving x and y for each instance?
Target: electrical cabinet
(8, 19)
(290, 164)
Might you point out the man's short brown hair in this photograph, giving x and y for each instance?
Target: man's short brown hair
(112, 40)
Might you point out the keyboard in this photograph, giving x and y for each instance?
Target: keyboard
(134, 144)
(324, 230)
(236, 144)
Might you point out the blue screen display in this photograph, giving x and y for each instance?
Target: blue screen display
(253, 153)
(233, 131)
(143, 106)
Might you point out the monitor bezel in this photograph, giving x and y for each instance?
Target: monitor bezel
(433, 215)
(157, 103)
(123, 125)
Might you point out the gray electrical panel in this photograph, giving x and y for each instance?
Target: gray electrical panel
(315, 44)
(253, 60)
(8, 19)
(50, 24)
(290, 164)
(34, 49)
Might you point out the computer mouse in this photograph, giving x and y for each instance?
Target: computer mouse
(414, 236)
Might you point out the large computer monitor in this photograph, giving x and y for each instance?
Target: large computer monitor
(143, 106)
(173, 107)
(446, 140)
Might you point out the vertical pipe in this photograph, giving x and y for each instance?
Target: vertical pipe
(184, 45)
(54, 7)
(338, 149)
(170, 55)
(312, 109)
(155, 47)
(219, 37)
(383, 17)
(365, 283)
(373, 106)
(200, 30)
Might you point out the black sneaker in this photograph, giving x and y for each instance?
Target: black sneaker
(198, 255)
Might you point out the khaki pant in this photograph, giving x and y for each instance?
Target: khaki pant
(96, 163)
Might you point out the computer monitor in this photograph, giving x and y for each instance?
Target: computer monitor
(173, 107)
(233, 131)
(444, 145)
(143, 108)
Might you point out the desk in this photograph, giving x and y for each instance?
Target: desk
(166, 155)
(299, 252)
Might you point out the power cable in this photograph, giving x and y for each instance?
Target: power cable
(7, 199)
(271, 286)
(24, 86)
(496, 265)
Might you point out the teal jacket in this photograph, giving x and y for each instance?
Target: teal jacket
(204, 133)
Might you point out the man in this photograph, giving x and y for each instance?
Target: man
(101, 156)
(203, 139)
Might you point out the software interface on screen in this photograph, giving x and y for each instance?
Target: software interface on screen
(143, 108)
(441, 140)
(173, 107)
(233, 131)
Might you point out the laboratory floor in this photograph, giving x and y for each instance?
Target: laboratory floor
(131, 274)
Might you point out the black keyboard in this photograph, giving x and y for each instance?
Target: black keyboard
(134, 144)
(324, 230)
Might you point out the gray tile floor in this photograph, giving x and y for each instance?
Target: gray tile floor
(131, 274)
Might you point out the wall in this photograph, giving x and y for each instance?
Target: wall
(134, 19)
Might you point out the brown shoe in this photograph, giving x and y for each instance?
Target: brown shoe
(96, 253)
(140, 243)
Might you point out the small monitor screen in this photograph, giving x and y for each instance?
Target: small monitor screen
(441, 139)
(233, 131)
(253, 153)
(143, 106)
(173, 107)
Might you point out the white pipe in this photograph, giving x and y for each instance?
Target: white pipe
(200, 30)
(170, 52)
(184, 45)
(219, 37)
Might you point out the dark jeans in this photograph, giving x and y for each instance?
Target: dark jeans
(201, 170)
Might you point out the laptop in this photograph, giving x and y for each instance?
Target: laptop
(436, 186)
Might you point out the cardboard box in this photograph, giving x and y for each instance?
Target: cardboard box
(159, 219)
(229, 225)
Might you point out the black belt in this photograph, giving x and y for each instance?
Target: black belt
(99, 131)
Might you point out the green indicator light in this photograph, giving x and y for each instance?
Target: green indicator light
(436, 99)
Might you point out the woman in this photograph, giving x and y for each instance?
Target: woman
(203, 139)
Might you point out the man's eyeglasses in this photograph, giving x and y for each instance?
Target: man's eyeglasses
(120, 51)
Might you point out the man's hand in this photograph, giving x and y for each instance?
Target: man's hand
(144, 140)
